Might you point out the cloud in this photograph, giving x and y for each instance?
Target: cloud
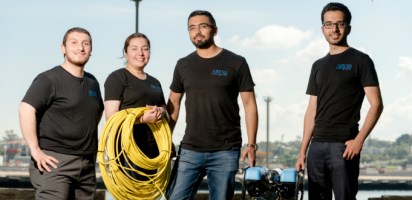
(274, 37)
(405, 67)
(316, 49)
(286, 121)
(218, 40)
(264, 76)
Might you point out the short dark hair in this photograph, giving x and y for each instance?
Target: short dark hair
(132, 36)
(76, 29)
(205, 13)
(335, 6)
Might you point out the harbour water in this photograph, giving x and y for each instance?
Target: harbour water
(362, 194)
(365, 194)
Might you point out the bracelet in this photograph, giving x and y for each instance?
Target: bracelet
(254, 146)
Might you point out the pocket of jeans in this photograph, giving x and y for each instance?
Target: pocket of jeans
(341, 146)
(184, 152)
(185, 158)
(54, 155)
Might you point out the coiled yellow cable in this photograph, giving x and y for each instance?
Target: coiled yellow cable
(119, 128)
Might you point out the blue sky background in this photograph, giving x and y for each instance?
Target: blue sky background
(280, 40)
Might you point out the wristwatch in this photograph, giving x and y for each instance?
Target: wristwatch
(254, 146)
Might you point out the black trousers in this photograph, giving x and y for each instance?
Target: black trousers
(328, 171)
(74, 178)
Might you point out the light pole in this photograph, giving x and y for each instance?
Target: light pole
(267, 100)
(5, 154)
(137, 14)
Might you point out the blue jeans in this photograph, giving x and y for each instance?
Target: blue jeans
(220, 168)
(328, 170)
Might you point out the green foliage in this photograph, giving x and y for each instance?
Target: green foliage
(396, 153)
(374, 151)
(404, 139)
(10, 135)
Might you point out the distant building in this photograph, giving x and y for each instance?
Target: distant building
(16, 153)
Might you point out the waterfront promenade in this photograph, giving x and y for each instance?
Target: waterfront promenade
(394, 180)
(14, 184)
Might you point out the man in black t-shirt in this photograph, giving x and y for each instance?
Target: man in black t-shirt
(59, 116)
(212, 79)
(337, 86)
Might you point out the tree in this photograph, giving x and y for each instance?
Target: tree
(10, 136)
(404, 139)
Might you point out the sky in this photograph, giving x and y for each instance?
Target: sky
(280, 40)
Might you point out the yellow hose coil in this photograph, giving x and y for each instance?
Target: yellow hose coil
(119, 128)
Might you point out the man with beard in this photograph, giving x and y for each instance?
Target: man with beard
(212, 78)
(59, 116)
(337, 86)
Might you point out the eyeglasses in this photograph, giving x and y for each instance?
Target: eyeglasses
(329, 25)
(201, 27)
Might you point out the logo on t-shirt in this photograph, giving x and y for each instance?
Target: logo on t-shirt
(344, 67)
(92, 93)
(220, 72)
(156, 88)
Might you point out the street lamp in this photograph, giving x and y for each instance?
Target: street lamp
(137, 14)
(267, 100)
(5, 154)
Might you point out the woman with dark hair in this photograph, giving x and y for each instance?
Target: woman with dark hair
(132, 87)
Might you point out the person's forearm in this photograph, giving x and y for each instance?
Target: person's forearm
(309, 124)
(371, 119)
(251, 114)
(374, 97)
(251, 118)
(27, 117)
(173, 110)
(173, 120)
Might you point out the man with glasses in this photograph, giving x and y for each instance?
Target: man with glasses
(337, 86)
(212, 78)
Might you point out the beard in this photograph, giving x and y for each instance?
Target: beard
(78, 62)
(203, 44)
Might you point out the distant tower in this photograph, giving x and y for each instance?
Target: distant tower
(267, 100)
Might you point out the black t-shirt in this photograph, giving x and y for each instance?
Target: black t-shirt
(338, 81)
(133, 92)
(68, 111)
(212, 88)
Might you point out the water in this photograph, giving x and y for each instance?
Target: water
(366, 194)
(362, 195)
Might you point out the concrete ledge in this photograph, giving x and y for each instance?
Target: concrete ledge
(28, 194)
(205, 196)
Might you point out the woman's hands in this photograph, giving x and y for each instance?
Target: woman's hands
(154, 115)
